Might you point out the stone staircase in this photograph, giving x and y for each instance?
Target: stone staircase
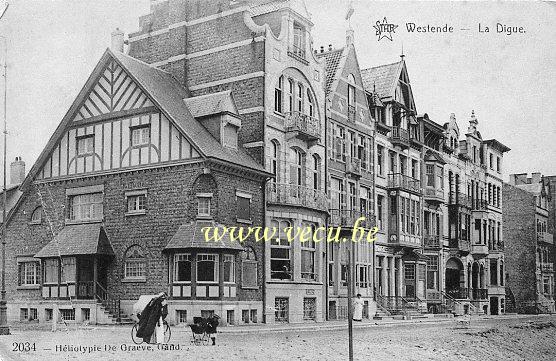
(111, 315)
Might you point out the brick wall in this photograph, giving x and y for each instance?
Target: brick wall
(518, 207)
(171, 201)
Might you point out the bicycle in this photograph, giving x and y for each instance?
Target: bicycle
(139, 340)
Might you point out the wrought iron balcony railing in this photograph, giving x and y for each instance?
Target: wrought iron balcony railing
(295, 195)
(458, 293)
(431, 241)
(399, 136)
(402, 181)
(459, 199)
(347, 218)
(306, 126)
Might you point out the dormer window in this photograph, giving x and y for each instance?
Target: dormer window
(299, 40)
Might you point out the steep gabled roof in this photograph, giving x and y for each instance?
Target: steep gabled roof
(382, 79)
(168, 95)
(332, 59)
(13, 194)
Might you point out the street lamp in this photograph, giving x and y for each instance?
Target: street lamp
(4, 328)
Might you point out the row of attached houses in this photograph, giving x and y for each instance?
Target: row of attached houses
(224, 114)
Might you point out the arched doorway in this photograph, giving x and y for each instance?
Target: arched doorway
(454, 277)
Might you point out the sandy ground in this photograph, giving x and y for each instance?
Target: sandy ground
(531, 338)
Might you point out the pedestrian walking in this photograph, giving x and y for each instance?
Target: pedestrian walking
(212, 324)
(151, 320)
(358, 308)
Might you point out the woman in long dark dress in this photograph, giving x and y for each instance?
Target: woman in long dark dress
(152, 318)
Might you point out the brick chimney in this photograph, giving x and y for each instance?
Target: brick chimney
(17, 171)
(535, 178)
(117, 43)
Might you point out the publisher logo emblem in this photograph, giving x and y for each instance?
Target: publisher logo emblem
(384, 29)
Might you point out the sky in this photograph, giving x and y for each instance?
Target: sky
(53, 45)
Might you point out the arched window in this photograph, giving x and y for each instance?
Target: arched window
(278, 95)
(249, 268)
(36, 216)
(316, 171)
(135, 265)
(310, 104)
(275, 160)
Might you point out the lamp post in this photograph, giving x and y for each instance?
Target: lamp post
(4, 328)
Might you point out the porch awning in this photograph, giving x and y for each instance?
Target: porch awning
(78, 239)
(191, 235)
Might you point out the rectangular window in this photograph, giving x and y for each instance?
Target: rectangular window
(203, 206)
(230, 318)
(69, 270)
(229, 268)
(243, 207)
(134, 268)
(344, 274)
(414, 169)
(362, 276)
(280, 262)
(430, 175)
(68, 314)
(491, 160)
(308, 250)
(432, 272)
(207, 268)
(85, 144)
(23, 314)
(380, 210)
(309, 308)
(498, 164)
(181, 316)
(182, 267)
(380, 159)
(136, 203)
(33, 314)
(254, 316)
(140, 135)
(281, 309)
(29, 273)
(86, 207)
(493, 272)
(51, 270)
(245, 316)
(278, 95)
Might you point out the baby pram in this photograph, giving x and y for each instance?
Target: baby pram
(199, 329)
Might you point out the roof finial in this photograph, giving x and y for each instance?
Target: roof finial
(402, 56)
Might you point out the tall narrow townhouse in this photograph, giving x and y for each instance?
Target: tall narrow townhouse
(260, 51)
(350, 179)
(115, 205)
(529, 248)
(473, 254)
(400, 267)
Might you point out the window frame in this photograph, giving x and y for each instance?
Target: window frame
(135, 258)
(207, 197)
(22, 269)
(175, 260)
(141, 130)
(89, 147)
(210, 257)
(229, 258)
(38, 210)
(71, 209)
(249, 198)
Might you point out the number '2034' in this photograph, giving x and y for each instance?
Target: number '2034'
(23, 347)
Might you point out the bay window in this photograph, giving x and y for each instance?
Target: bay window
(182, 267)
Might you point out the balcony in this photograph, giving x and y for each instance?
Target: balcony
(545, 237)
(547, 267)
(291, 194)
(479, 293)
(458, 293)
(298, 54)
(479, 205)
(304, 126)
(351, 114)
(433, 195)
(431, 241)
(404, 182)
(347, 218)
(459, 199)
(399, 136)
(479, 249)
(353, 166)
(462, 245)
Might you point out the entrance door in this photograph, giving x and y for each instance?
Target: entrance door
(494, 305)
(454, 270)
(85, 277)
(409, 270)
